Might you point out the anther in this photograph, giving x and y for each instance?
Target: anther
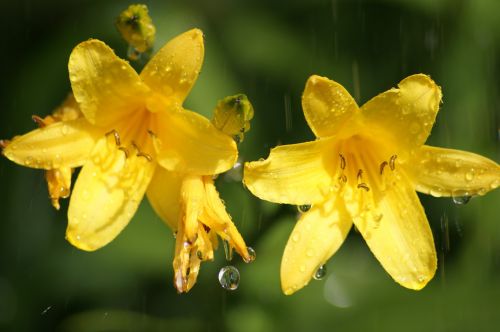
(342, 161)
(392, 161)
(360, 175)
(124, 150)
(343, 179)
(363, 186)
(145, 155)
(152, 133)
(115, 135)
(382, 166)
(4, 143)
(38, 120)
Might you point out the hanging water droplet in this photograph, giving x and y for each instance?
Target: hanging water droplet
(304, 208)
(320, 272)
(228, 250)
(229, 277)
(461, 200)
(251, 254)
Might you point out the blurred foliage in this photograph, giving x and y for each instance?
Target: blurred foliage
(265, 49)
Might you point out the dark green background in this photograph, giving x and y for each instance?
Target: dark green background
(266, 49)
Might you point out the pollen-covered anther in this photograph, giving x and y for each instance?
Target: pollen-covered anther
(125, 151)
(363, 186)
(140, 153)
(38, 120)
(4, 143)
(360, 175)
(392, 162)
(342, 161)
(152, 134)
(115, 135)
(382, 166)
(342, 179)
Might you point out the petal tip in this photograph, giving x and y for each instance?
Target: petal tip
(77, 241)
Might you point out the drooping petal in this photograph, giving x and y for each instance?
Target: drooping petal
(107, 193)
(327, 106)
(316, 237)
(164, 195)
(447, 172)
(188, 142)
(192, 200)
(106, 87)
(293, 174)
(174, 69)
(400, 236)
(404, 115)
(61, 144)
(216, 218)
(59, 184)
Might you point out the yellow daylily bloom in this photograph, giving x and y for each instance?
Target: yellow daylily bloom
(191, 205)
(364, 168)
(124, 117)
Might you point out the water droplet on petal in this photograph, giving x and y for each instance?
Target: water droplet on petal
(304, 208)
(461, 200)
(252, 255)
(469, 176)
(228, 250)
(320, 272)
(28, 161)
(65, 130)
(295, 237)
(229, 277)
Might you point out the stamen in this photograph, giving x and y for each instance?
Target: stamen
(342, 179)
(342, 161)
(116, 136)
(38, 120)
(145, 155)
(360, 175)
(152, 133)
(382, 166)
(4, 143)
(363, 186)
(392, 162)
(124, 149)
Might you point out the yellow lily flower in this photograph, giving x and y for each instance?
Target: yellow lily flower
(364, 168)
(131, 123)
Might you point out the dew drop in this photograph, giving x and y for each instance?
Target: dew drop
(302, 268)
(229, 277)
(310, 252)
(461, 200)
(320, 272)
(228, 250)
(295, 237)
(252, 255)
(304, 208)
(469, 176)
(65, 130)
(28, 161)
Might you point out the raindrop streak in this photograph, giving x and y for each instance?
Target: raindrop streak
(251, 254)
(304, 208)
(320, 272)
(461, 200)
(229, 277)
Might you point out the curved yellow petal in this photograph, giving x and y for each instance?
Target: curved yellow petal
(192, 200)
(107, 193)
(447, 172)
(327, 106)
(216, 217)
(317, 235)
(61, 144)
(404, 115)
(106, 87)
(174, 69)
(400, 236)
(164, 195)
(187, 142)
(293, 174)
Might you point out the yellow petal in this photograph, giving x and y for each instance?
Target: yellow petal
(61, 144)
(192, 199)
(174, 69)
(404, 116)
(187, 142)
(106, 87)
(107, 193)
(446, 172)
(400, 236)
(316, 237)
(164, 195)
(216, 218)
(327, 106)
(293, 174)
